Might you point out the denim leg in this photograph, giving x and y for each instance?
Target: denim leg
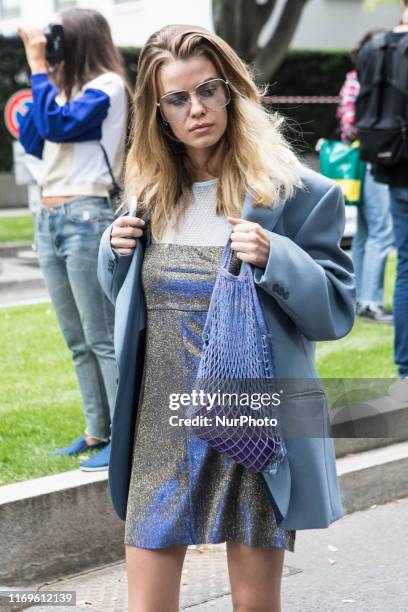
(399, 208)
(357, 249)
(97, 315)
(62, 249)
(379, 240)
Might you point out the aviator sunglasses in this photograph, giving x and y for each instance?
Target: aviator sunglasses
(175, 106)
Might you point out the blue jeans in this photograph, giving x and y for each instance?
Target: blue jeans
(399, 209)
(372, 242)
(67, 238)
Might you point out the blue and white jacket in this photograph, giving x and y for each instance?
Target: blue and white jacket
(66, 135)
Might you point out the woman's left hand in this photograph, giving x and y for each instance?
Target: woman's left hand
(34, 43)
(250, 241)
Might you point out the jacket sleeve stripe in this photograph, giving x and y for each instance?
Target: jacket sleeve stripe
(77, 120)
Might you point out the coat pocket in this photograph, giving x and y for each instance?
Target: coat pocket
(304, 415)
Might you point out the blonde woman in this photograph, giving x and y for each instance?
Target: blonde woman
(206, 159)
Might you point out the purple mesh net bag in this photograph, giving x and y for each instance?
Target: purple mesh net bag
(236, 366)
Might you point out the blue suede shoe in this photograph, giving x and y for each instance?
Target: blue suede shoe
(77, 447)
(98, 462)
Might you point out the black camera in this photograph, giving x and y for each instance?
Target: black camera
(54, 50)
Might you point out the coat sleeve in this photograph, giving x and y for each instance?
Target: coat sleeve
(112, 267)
(29, 136)
(76, 121)
(310, 276)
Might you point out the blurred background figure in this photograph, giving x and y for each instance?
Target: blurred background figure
(77, 125)
(374, 235)
(382, 114)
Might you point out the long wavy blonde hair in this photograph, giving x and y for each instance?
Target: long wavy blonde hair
(255, 157)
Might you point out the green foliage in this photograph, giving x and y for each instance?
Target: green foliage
(325, 72)
(130, 58)
(14, 75)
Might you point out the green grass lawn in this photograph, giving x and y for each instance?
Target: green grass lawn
(367, 350)
(16, 229)
(40, 406)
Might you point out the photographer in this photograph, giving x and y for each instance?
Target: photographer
(77, 125)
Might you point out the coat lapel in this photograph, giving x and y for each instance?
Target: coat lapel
(266, 216)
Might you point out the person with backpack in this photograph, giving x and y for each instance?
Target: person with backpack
(374, 235)
(77, 126)
(382, 123)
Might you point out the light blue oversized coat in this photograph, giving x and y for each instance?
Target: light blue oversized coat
(307, 294)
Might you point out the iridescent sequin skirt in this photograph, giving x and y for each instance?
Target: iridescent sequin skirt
(181, 490)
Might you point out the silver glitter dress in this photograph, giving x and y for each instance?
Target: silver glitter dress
(181, 490)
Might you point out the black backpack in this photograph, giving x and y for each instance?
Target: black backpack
(382, 104)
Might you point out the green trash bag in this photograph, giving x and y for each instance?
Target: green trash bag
(341, 162)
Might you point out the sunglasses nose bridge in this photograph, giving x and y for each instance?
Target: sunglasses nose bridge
(190, 105)
(197, 99)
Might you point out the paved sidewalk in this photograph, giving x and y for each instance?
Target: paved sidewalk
(359, 564)
(21, 281)
(15, 212)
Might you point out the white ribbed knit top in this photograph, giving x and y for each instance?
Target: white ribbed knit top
(200, 225)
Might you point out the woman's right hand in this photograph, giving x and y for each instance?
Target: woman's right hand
(125, 232)
(34, 44)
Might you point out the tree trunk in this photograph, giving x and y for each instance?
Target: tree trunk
(273, 53)
(239, 22)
